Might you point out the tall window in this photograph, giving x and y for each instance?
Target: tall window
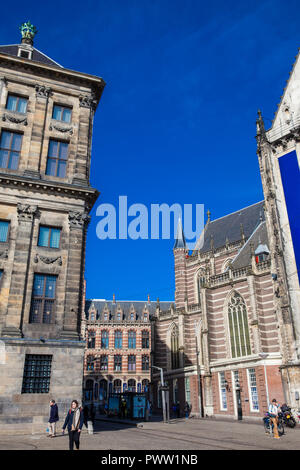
(104, 362)
(4, 226)
(16, 103)
(90, 363)
(117, 386)
(145, 362)
(103, 390)
(175, 347)
(131, 363)
(62, 113)
(43, 299)
(117, 363)
(200, 283)
(91, 340)
(49, 237)
(104, 339)
(37, 373)
(118, 339)
(131, 340)
(10, 148)
(131, 385)
(187, 390)
(145, 385)
(222, 387)
(253, 390)
(145, 339)
(57, 158)
(238, 326)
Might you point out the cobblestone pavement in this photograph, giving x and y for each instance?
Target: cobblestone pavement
(180, 434)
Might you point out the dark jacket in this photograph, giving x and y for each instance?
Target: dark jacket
(69, 420)
(53, 413)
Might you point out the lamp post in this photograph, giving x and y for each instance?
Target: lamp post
(163, 391)
(264, 355)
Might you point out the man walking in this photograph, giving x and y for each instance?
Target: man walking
(274, 408)
(53, 418)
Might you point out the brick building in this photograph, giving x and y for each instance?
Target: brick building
(45, 198)
(119, 344)
(232, 342)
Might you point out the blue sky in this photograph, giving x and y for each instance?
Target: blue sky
(176, 122)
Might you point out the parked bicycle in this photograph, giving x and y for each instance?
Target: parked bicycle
(268, 425)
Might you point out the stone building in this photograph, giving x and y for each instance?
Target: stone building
(232, 342)
(45, 197)
(119, 344)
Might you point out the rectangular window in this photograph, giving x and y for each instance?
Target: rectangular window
(37, 373)
(118, 363)
(49, 237)
(43, 299)
(145, 363)
(131, 340)
(118, 339)
(57, 158)
(4, 226)
(131, 363)
(10, 147)
(104, 339)
(145, 340)
(16, 103)
(223, 396)
(253, 390)
(104, 363)
(62, 113)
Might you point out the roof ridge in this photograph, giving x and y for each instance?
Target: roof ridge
(239, 210)
(240, 251)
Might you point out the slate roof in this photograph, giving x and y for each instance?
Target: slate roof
(126, 307)
(37, 56)
(259, 237)
(228, 227)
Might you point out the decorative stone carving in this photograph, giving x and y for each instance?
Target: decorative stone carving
(43, 91)
(47, 260)
(26, 211)
(60, 128)
(15, 118)
(87, 101)
(78, 219)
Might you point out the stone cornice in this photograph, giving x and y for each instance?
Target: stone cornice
(87, 193)
(57, 73)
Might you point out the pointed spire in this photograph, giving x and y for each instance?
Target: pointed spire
(260, 128)
(180, 238)
(208, 215)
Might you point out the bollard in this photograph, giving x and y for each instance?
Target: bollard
(90, 427)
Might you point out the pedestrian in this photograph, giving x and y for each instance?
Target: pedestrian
(274, 409)
(53, 418)
(74, 421)
(186, 409)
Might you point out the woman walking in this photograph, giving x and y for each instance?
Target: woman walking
(74, 421)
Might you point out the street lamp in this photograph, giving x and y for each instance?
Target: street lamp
(264, 355)
(163, 391)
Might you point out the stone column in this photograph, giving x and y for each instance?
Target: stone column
(254, 321)
(38, 131)
(78, 222)
(181, 339)
(16, 302)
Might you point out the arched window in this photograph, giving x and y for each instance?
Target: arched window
(201, 280)
(145, 385)
(238, 326)
(131, 385)
(104, 339)
(175, 347)
(103, 390)
(118, 339)
(117, 386)
(145, 339)
(131, 340)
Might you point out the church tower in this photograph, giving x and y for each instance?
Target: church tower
(46, 126)
(278, 151)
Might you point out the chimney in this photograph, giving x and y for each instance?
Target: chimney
(114, 299)
(149, 299)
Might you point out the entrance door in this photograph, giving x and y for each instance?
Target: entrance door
(239, 404)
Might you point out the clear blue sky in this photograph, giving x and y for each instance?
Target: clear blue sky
(176, 122)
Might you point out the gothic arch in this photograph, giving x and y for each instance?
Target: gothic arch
(236, 322)
(199, 281)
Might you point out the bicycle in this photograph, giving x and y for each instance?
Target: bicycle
(268, 425)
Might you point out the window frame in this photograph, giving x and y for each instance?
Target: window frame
(131, 339)
(8, 230)
(50, 228)
(118, 363)
(43, 299)
(38, 376)
(131, 363)
(9, 150)
(15, 95)
(222, 391)
(250, 387)
(57, 158)
(63, 107)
